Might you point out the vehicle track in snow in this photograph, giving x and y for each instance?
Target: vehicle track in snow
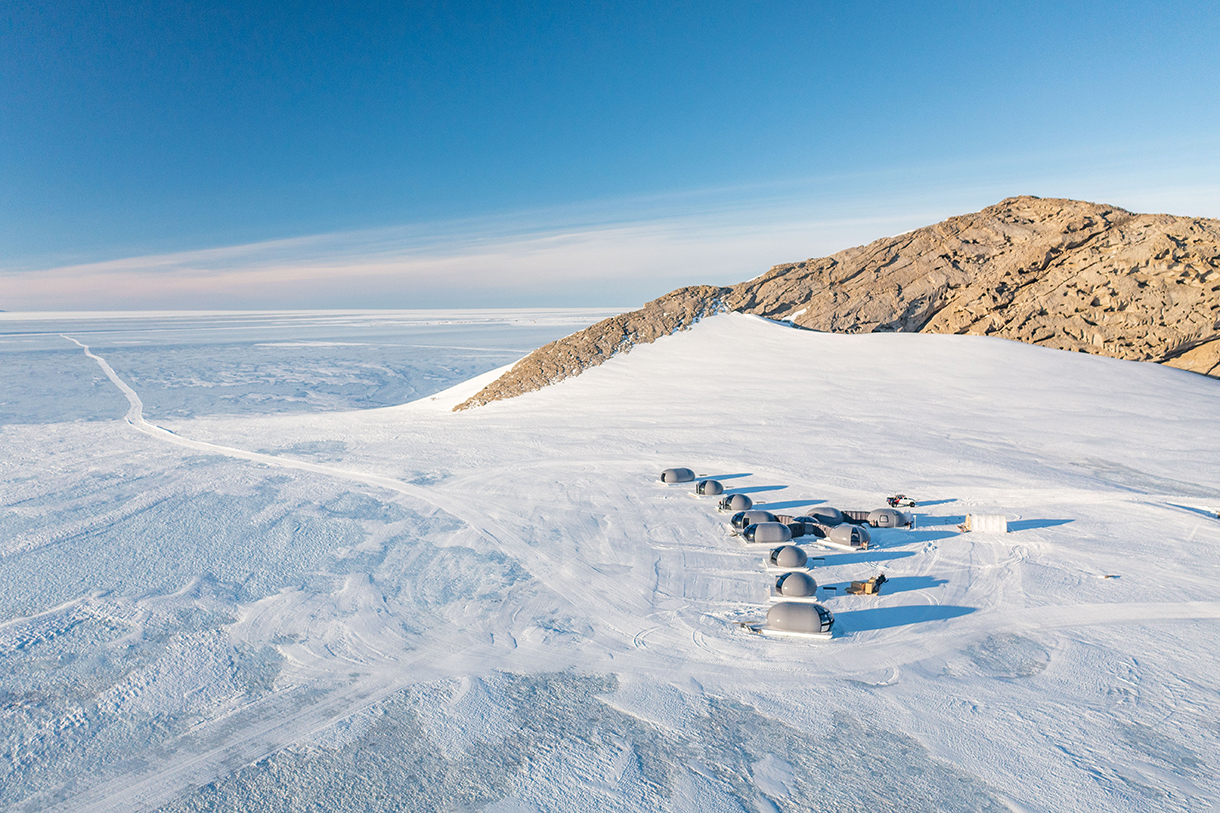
(511, 544)
(383, 667)
(535, 562)
(624, 624)
(381, 673)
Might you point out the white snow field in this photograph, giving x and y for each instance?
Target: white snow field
(224, 605)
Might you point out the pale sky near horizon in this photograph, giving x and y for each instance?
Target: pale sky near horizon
(254, 155)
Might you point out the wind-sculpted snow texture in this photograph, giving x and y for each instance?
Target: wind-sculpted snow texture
(1058, 273)
(502, 609)
(563, 730)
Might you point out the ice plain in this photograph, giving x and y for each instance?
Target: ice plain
(273, 588)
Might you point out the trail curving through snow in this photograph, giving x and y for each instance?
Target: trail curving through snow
(376, 681)
(692, 590)
(536, 562)
(135, 412)
(135, 419)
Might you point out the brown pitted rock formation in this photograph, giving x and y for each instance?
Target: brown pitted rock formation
(1059, 273)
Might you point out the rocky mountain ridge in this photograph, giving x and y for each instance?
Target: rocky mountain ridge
(1058, 273)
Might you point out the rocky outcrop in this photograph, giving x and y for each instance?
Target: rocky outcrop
(1058, 273)
(590, 347)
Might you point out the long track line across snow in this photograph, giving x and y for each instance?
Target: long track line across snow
(663, 591)
(263, 739)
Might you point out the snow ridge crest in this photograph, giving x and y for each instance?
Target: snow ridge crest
(1060, 273)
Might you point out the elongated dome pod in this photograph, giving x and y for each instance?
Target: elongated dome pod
(788, 556)
(826, 515)
(677, 476)
(799, 618)
(767, 533)
(708, 488)
(851, 535)
(735, 502)
(888, 518)
(796, 585)
(743, 519)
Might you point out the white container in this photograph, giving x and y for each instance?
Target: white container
(987, 523)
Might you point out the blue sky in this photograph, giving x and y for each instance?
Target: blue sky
(157, 154)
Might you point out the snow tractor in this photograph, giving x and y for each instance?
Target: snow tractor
(869, 588)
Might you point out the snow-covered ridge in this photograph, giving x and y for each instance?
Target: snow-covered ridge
(1057, 273)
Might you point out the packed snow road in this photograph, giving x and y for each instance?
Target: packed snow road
(511, 592)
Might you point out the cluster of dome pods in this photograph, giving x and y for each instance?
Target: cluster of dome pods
(795, 611)
(803, 617)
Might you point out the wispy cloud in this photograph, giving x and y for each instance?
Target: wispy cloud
(473, 264)
(596, 255)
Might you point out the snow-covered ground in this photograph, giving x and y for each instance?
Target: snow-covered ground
(204, 608)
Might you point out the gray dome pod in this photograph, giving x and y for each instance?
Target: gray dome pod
(789, 556)
(796, 585)
(677, 476)
(802, 619)
(767, 533)
(743, 519)
(708, 488)
(851, 535)
(735, 502)
(888, 518)
(826, 515)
